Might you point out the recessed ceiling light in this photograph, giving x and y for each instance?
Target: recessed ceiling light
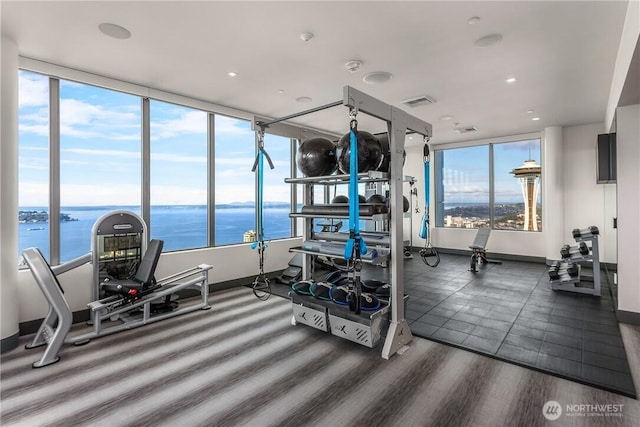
(377, 77)
(280, 91)
(306, 36)
(113, 30)
(232, 74)
(530, 111)
(446, 118)
(511, 79)
(488, 40)
(304, 99)
(535, 119)
(473, 20)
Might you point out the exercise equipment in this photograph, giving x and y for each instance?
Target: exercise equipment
(320, 290)
(127, 304)
(343, 209)
(568, 275)
(386, 153)
(317, 157)
(340, 198)
(368, 328)
(479, 251)
(302, 287)
(261, 286)
(590, 231)
(293, 272)
(369, 152)
(569, 251)
(377, 199)
(428, 253)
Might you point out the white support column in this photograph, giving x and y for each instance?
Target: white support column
(553, 191)
(9, 193)
(628, 181)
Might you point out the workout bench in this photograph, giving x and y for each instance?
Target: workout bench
(479, 253)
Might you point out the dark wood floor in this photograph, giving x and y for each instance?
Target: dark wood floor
(243, 363)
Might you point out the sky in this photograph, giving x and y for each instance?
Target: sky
(100, 154)
(466, 172)
(100, 133)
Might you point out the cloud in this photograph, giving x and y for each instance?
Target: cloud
(189, 122)
(177, 158)
(34, 90)
(227, 126)
(533, 144)
(102, 153)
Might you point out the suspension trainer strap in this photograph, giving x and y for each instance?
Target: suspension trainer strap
(261, 286)
(429, 254)
(355, 247)
(424, 227)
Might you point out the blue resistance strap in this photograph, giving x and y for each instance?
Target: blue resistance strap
(355, 246)
(424, 227)
(261, 287)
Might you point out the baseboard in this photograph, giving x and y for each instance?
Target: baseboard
(31, 326)
(628, 317)
(9, 343)
(492, 255)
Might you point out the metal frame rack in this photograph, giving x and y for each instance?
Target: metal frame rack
(573, 256)
(398, 123)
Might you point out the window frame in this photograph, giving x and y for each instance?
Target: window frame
(438, 151)
(55, 73)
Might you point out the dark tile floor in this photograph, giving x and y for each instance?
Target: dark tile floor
(509, 312)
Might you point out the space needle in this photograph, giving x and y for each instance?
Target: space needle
(529, 176)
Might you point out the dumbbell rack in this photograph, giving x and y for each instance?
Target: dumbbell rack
(564, 277)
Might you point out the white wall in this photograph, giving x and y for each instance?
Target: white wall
(628, 42)
(584, 199)
(569, 190)
(628, 180)
(8, 187)
(231, 262)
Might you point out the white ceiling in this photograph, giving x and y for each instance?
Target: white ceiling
(562, 53)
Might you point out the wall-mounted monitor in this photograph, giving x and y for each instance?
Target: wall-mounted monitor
(606, 160)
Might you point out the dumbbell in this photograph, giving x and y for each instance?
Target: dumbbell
(567, 251)
(592, 230)
(557, 269)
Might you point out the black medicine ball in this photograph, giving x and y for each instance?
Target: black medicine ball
(369, 152)
(317, 157)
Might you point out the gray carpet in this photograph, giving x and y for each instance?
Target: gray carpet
(243, 364)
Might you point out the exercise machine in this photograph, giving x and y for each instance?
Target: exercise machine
(128, 293)
(387, 324)
(479, 251)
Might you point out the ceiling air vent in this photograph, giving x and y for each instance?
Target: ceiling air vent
(466, 129)
(420, 100)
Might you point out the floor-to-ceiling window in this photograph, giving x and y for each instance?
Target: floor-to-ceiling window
(235, 183)
(33, 163)
(277, 193)
(516, 177)
(84, 148)
(493, 184)
(100, 168)
(462, 187)
(178, 176)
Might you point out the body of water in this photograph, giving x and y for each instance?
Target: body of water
(181, 227)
